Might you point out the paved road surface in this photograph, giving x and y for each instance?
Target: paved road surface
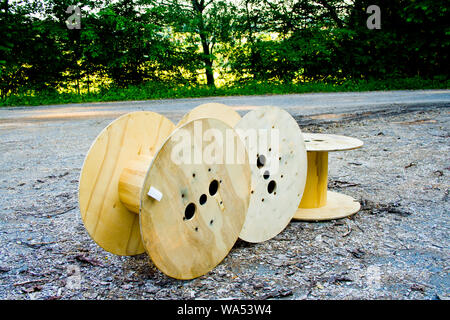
(296, 104)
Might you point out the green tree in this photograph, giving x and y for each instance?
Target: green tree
(205, 23)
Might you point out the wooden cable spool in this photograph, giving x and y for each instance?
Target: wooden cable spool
(278, 176)
(126, 145)
(318, 203)
(188, 213)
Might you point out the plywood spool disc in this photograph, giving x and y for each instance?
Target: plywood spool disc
(330, 142)
(338, 206)
(212, 110)
(203, 205)
(278, 182)
(106, 219)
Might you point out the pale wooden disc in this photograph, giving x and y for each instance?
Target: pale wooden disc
(271, 209)
(107, 221)
(330, 142)
(338, 206)
(212, 110)
(185, 247)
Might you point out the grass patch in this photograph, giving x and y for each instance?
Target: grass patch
(151, 91)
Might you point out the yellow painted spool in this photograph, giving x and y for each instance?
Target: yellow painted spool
(317, 202)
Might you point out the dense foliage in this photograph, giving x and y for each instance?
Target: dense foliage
(224, 43)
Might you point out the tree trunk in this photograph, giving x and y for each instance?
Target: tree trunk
(208, 62)
(199, 7)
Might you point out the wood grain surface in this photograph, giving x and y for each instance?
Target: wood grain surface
(110, 224)
(278, 184)
(212, 110)
(330, 142)
(195, 225)
(338, 206)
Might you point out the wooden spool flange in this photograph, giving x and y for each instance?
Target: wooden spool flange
(276, 190)
(203, 207)
(212, 110)
(112, 174)
(318, 203)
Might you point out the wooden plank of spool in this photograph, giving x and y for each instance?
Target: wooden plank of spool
(203, 207)
(212, 110)
(126, 144)
(338, 206)
(278, 176)
(318, 203)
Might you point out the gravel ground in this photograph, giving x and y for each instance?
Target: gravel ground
(396, 247)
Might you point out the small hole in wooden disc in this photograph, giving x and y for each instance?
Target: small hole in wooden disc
(189, 211)
(202, 199)
(271, 186)
(213, 186)
(260, 161)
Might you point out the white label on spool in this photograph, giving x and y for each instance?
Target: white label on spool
(155, 193)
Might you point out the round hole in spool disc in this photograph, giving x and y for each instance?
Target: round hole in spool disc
(213, 187)
(109, 223)
(173, 244)
(266, 175)
(260, 161)
(271, 186)
(189, 212)
(202, 199)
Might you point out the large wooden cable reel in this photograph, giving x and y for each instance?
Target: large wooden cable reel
(191, 213)
(278, 174)
(192, 231)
